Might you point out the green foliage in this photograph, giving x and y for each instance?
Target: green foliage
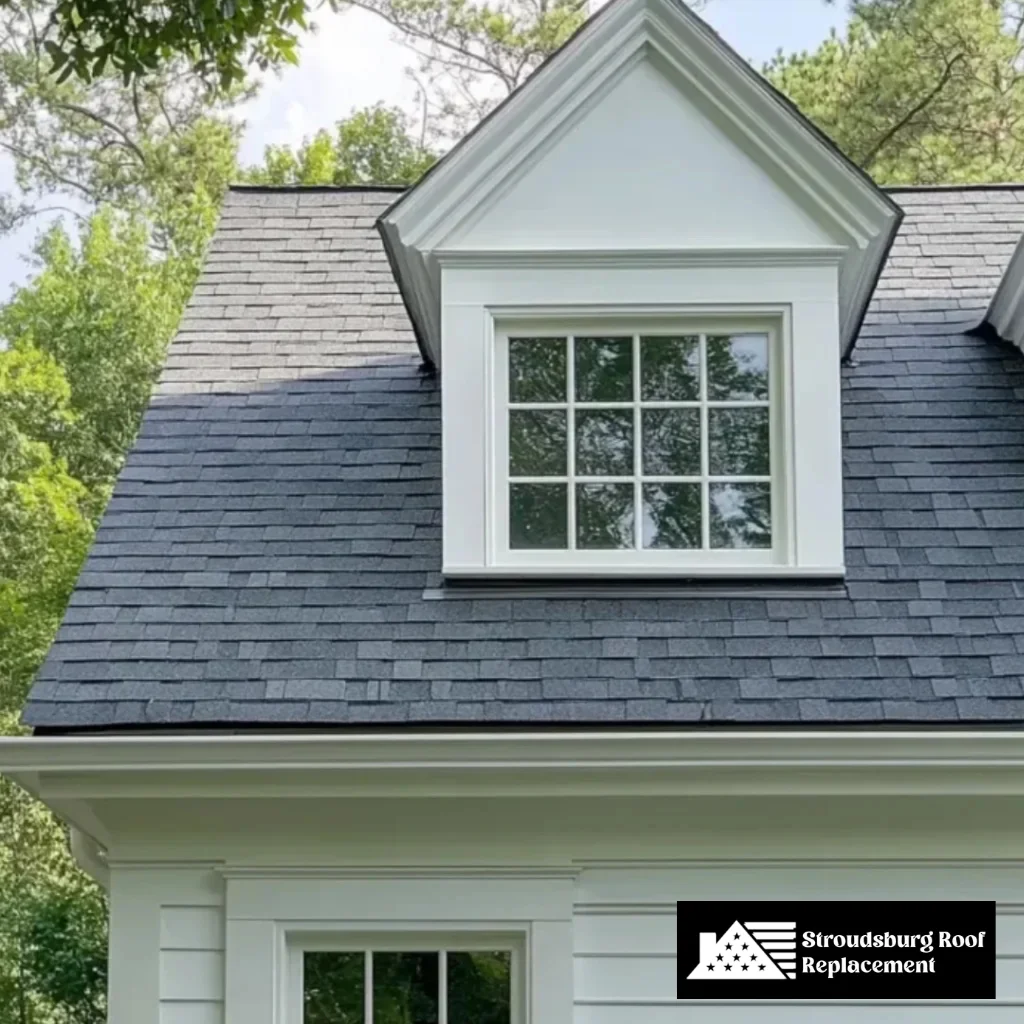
(136, 38)
(53, 926)
(75, 147)
(919, 91)
(372, 146)
(104, 311)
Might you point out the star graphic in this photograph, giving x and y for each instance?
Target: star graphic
(736, 956)
(760, 967)
(744, 946)
(728, 967)
(719, 957)
(744, 968)
(728, 945)
(737, 936)
(711, 967)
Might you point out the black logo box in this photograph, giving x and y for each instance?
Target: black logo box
(957, 972)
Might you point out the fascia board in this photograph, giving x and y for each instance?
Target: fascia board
(455, 763)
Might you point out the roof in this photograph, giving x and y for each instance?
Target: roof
(270, 555)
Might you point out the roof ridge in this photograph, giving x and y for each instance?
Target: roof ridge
(980, 186)
(246, 187)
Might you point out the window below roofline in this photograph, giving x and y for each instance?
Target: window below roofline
(656, 490)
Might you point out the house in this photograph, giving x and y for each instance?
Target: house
(632, 512)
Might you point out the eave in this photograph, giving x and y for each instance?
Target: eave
(63, 771)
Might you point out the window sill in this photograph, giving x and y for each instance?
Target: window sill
(677, 573)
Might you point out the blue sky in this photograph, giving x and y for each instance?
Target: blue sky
(353, 61)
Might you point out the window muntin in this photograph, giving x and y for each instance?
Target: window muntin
(399, 987)
(655, 441)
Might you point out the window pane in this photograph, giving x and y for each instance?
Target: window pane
(672, 516)
(604, 442)
(671, 442)
(738, 442)
(537, 444)
(537, 370)
(479, 988)
(333, 990)
(741, 516)
(604, 515)
(604, 369)
(738, 367)
(405, 988)
(670, 369)
(537, 516)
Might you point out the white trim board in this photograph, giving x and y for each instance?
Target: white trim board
(463, 764)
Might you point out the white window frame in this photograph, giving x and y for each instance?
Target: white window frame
(571, 561)
(403, 939)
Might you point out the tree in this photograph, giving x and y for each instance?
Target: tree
(149, 149)
(137, 38)
(372, 146)
(103, 310)
(919, 91)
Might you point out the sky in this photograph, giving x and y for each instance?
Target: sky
(353, 61)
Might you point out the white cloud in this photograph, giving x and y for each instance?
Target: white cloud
(352, 61)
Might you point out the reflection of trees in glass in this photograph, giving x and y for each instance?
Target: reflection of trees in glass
(604, 515)
(604, 369)
(405, 988)
(738, 442)
(671, 442)
(479, 988)
(737, 367)
(741, 516)
(536, 370)
(537, 516)
(670, 369)
(671, 516)
(333, 988)
(604, 442)
(536, 442)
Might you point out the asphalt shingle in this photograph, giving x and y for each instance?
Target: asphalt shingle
(271, 552)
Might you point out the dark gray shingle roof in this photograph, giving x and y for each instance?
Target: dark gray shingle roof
(266, 554)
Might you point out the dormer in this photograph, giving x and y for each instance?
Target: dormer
(638, 277)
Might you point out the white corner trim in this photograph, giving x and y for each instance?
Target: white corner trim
(506, 763)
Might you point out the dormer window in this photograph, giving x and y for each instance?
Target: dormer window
(638, 277)
(650, 444)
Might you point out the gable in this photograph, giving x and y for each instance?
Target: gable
(602, 85)
(642, 167)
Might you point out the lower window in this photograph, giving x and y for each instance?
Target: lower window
(399, 987)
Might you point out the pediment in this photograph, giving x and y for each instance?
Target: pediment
(642, 167)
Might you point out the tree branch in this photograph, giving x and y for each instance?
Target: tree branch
(895, 129)
(101, 120)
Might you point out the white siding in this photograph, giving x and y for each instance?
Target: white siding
(191, 964)
(625, 938)
(167, 946)
(643, 167)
